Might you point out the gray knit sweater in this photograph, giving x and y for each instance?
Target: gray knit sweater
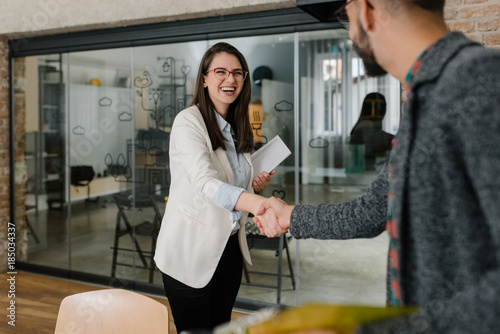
(446, 195)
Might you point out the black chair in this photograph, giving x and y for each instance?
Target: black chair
(81, 176)
(256, 240)
(149, 228)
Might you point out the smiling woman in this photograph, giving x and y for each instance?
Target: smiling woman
(220, 80)
(211, 170)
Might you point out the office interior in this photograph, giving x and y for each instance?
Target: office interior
(96, 125)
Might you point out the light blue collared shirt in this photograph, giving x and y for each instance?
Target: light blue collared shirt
(227, 195)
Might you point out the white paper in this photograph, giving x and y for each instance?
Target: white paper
(270, 155)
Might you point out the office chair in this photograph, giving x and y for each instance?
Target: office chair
(124, 227)
(256, 240)
(81, 176)
(111, 311)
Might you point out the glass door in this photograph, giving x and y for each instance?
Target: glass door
(100, 115)
(97, 129)
(343, 113)
(271, 277)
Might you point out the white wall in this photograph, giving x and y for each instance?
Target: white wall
(24, 18)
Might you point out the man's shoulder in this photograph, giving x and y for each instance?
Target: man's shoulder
(467, 54)
(466, 87)
(465, 65)
(454, 55)
(478, 57)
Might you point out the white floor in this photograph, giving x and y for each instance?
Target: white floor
(331, 271)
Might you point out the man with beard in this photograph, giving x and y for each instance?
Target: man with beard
(439, 196)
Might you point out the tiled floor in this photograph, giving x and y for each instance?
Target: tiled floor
(343, 272)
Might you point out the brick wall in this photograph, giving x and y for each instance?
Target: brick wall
(20, 165)
(21, 231)
(4, 151)
(479, 19)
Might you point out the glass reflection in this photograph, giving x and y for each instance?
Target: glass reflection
(163, 85)
(100, 115)
(96, 152)
(337, 165)
(270, 58)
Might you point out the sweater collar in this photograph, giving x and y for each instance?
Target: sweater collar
(443, 50)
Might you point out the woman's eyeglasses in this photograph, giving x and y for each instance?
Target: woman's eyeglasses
(223, 74)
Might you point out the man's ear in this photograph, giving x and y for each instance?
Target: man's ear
(366, 15)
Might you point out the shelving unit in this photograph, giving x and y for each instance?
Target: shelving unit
(45, 147)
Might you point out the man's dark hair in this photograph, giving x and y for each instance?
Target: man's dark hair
(430, 5)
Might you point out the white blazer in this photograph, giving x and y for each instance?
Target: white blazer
(195, 230)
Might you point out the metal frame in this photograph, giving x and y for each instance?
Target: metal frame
(238, 25)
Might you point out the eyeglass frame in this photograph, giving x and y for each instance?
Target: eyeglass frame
(229, 73)
(342, 12)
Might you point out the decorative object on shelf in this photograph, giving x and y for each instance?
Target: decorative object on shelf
(94, 82)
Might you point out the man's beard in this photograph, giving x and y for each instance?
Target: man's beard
(365, 52)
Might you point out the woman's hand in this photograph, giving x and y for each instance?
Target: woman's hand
(261, 180)
(273, 217)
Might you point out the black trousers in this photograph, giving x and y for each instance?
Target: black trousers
(211, 305)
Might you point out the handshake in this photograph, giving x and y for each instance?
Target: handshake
(273, 217)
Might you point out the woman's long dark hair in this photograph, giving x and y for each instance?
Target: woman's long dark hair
(237, 115)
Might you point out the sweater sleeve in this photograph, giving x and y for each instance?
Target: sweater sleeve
(364, 217)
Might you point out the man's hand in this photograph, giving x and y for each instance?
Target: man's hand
(261, 180)
(273, 217)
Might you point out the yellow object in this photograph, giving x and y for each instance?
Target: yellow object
(166, 199)
(256, 120)
(343, 319)
(94, 82)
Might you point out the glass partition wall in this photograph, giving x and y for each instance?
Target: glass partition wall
(97, 127)
(344, 141)
(100, 139)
